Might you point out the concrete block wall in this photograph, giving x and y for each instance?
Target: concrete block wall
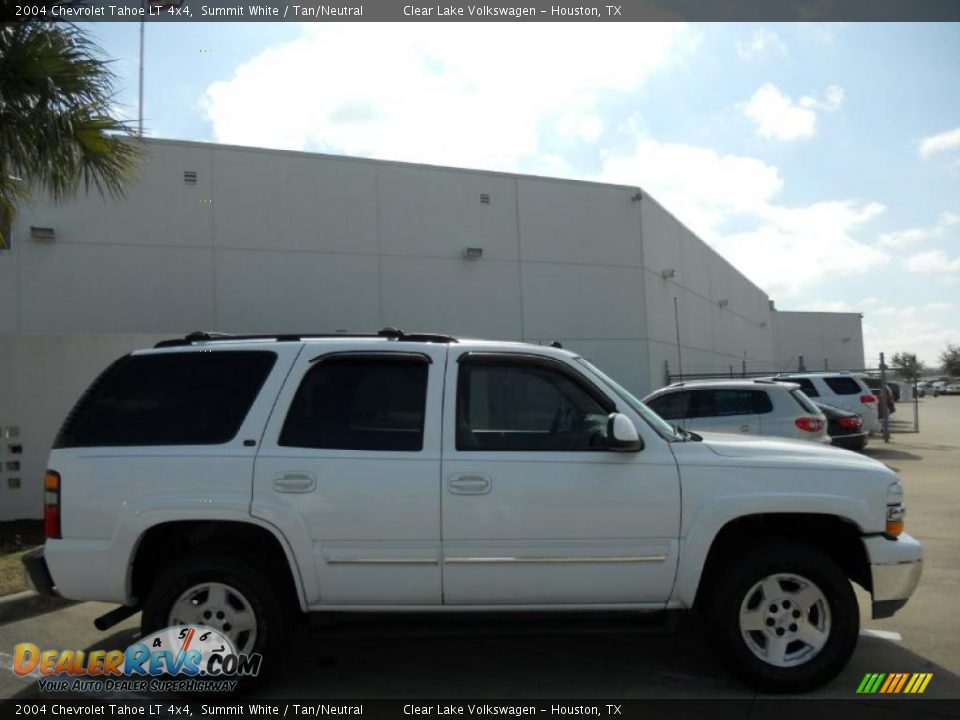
(825, 340)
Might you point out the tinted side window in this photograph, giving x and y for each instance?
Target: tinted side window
(520, 407)
(360, 403)
(724, 403)
(190, 398)
(672, 406)
(806, 384)
(761, 402)
(843, 385)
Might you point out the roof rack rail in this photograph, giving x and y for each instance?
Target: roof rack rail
(397, 334)
(388, 332)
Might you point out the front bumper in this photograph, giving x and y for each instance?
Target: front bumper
(38, 574)
(895, 568)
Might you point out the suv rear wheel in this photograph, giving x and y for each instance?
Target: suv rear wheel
(221, 593)
(786, 618)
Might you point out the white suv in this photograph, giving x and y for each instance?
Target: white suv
(843, 390)
(750, 407)
(236, 483)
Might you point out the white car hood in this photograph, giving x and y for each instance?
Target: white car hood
(784, 449)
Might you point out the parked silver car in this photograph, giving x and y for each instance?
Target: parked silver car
(751, 407)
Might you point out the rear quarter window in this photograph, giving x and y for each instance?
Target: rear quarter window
(843, 385)
(185, 398)
(806, 384)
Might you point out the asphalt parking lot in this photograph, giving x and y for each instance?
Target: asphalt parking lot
(597, 657)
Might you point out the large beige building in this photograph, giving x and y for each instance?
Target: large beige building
(255, 241)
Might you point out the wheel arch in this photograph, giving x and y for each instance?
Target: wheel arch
(260, 546)
(837, 537)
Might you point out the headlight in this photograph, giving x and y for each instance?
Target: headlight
(895, 509)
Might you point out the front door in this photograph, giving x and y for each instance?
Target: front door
(535, 511)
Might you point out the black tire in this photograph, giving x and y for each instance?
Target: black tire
(270, 610)
(788, 567)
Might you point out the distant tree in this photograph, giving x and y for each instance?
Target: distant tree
(951, 360)
(907, 365)
(57, 130)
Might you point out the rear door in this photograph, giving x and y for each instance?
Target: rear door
(349, 470)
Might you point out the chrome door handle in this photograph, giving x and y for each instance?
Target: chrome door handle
(294, 482)
(469, 485)
(744, 428)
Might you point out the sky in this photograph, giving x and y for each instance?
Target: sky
(822, 160)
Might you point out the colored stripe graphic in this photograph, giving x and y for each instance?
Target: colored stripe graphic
(903, 681)
(919, 683)
(890, 680)
(894, 683)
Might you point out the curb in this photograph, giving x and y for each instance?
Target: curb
(28, 603)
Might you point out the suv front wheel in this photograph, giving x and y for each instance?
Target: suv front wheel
(786, 618)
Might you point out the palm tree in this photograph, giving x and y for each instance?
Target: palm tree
(57, 132)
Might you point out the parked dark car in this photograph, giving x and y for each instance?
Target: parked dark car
(894, 390)
(845, 428)
(874, 384)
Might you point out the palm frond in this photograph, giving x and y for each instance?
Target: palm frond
(56, 128)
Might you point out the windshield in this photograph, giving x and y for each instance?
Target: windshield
(652, 419)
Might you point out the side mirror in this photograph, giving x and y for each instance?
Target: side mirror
(622, 435)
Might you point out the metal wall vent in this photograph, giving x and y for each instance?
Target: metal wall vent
(484, 199)
(189, 177)
(13, 483)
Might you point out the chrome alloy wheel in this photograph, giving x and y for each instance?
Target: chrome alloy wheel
(220, 607)
(785, 620)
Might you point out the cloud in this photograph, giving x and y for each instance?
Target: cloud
(432, 93)
(933, 262)
(911, 236)
(697, 184)
(922, 329)
(800, 247)
(762, 41)
(778, 117)
(944, 142)
(476, 95)
(785, 250)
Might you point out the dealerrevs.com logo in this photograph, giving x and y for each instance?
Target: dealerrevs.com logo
(183, 658)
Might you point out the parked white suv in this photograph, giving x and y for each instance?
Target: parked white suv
(232, 482)
(749, 407)
(843, 390)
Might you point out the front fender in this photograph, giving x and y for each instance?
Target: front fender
(710, 517)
